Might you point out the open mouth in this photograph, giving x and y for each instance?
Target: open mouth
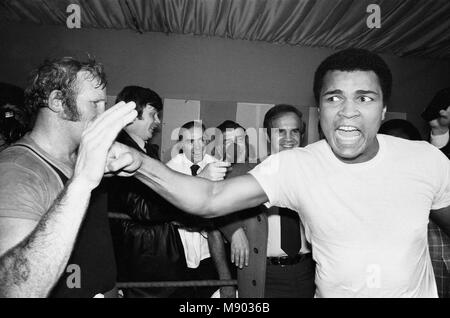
(152, 130)
(348, 133)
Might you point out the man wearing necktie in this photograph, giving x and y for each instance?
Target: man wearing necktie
(279, 262)
(204, 249)
(290, 268)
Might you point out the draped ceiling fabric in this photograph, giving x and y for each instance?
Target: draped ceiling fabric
(418, 28)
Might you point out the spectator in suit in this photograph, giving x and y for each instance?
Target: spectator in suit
(147, 244)
(280, 262)
(202, 241)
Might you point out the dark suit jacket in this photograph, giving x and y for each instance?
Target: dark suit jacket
(148, 246)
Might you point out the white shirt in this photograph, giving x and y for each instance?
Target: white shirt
(182, 164)
(440, 140)
(195, 244)
(367, 222)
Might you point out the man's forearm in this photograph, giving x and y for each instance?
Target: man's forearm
(185, 192)
(218, 254)
(32, 267)
(220, 259)
(200, 196)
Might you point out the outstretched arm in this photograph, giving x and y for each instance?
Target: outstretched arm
(30, 266)
(200, 196)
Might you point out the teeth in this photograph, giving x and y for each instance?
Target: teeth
(347, 128)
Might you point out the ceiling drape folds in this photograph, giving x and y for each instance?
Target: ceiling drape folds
(408, 27)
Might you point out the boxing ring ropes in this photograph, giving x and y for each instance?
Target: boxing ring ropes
(163, 284)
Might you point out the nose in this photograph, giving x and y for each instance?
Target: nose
(101, 108)
(288, 136)
(198, 144)
(349, 109)
(157, 120)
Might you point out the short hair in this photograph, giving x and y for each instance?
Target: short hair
(279, 110)
(351, 60)
(401, 125)
(189, 125)
(60, 74)
(141, 96)
(229, 124)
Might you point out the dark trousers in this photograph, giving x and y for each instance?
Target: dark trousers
(291, 281)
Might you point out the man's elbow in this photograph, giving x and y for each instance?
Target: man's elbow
(212, 206)
(205, 211)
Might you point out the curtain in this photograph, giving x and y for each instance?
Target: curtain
(408, 27)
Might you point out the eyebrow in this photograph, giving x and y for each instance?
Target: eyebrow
(289, 128)
(359, 92)
(336, 91)
(364, 92)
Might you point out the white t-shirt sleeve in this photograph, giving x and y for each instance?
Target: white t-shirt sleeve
(272, 175)
(440, 141)
(442, 197)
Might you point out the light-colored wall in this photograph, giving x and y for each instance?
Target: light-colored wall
(203, 68)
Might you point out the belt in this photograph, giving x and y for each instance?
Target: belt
(287, 260)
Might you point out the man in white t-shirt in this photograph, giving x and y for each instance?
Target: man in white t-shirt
(365, 198)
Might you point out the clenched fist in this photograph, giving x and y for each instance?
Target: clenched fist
(215, 171)
(122, 160)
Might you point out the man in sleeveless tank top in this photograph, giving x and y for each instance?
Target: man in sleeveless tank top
(54, 234)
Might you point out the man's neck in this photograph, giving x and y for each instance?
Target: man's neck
(193, 161)
(54, 139)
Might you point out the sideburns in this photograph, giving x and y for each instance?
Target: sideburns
(71, 112)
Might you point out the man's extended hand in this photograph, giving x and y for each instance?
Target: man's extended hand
(122, 160)
(96, 142)
(215, 171)
(240, 249)
(439, 126)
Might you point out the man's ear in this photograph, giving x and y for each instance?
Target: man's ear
(383, 114)
(55, 101)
